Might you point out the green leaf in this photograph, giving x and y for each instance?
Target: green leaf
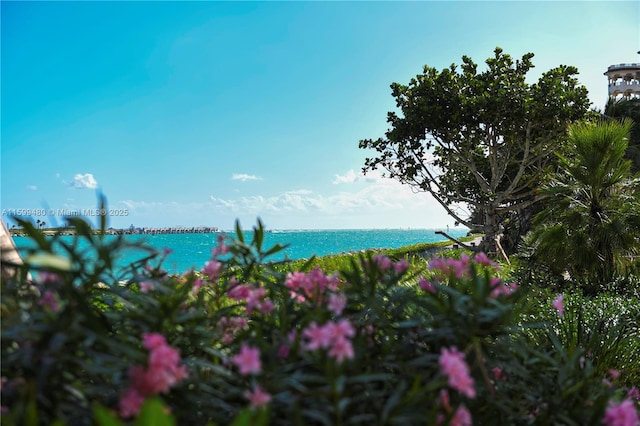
(250, 417)
(153, 413)
(49, 261)
(239, 233)
(104, 417)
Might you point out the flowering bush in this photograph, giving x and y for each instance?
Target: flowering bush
(252, 342)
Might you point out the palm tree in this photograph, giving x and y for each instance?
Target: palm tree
(591, 225)
(628, 108)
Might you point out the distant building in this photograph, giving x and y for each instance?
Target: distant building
(624, 80)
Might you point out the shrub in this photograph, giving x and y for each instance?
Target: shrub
(245, 341)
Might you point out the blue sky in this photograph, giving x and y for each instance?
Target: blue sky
(198, 113)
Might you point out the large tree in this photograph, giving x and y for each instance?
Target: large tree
(478, 139)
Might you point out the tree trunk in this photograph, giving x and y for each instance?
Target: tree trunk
(488, 244)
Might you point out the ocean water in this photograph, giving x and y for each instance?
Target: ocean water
(193, 250)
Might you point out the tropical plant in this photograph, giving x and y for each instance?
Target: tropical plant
(591, 226)
(627, 108)
(478, 139)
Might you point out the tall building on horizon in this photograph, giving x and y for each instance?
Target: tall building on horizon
(624, 80)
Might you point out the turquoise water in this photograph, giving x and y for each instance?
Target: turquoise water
(193, 250)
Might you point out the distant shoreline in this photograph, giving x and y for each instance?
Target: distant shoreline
(17, 232)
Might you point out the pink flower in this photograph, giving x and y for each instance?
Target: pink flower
(614, 374)
(239, 292)
(50, 301)
(454, 366)
(558, 304)
(499, 288)
(337, 302)
(426, 285)
(257, 397)
(482, 259)
(254, 298)
(146, 286)
(212, 269)
(462, 417)
(634, 393)
(444, 400)
(401, 266)
(167, 251)
(457, 268)
(341, 349)
(383, 262)
(319, 337)
(248, 360)
(266, 306)
(296, 280)
(283, 351)
(221, 248)
(153, 341)
(498, 374)
(130, 402)
(341, 329)
(163, 371)
(623, 414)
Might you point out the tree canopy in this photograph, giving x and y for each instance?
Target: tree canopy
(591, 225)
(478, 140)
(630, 109)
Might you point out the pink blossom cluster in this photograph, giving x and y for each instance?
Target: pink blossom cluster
(558, 304)
(454, 366)
(230, 327)
(459, 268)
(333, 336)
(622, 414)
(257, 397)
(426, 285)
(248, 360)
(254, 297)
(482, 259)
(311, 286)
(147, 286)
(213, 267)
(500, 288)
(212, 270)
(385, 264)
(461, 417)
(163, 371)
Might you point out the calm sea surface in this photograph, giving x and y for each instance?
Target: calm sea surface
(193, 250)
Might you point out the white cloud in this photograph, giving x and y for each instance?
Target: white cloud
(32, 187)
(82, 181)
(351, 177)
(376, 202)
(244, 177)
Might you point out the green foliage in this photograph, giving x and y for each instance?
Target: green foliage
(630, 109)
(380, 362)
(591, 225)
(491, 134)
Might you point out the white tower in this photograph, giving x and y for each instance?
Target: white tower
(624, 80)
